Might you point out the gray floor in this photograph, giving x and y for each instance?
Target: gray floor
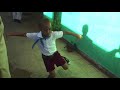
(26, 62)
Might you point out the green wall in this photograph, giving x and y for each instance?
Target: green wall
(107, 57)
(99, 55)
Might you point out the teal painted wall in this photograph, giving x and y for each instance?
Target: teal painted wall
(101, 36)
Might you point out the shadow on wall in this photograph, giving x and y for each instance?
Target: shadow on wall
(85, 44)
(108, 60)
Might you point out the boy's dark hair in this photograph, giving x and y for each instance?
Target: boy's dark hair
(43, 20)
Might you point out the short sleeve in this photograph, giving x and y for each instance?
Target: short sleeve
(32, 36)
(58, 34)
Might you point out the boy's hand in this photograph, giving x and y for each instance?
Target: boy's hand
(79, 36)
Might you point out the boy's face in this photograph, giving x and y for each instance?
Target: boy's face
(46, 29)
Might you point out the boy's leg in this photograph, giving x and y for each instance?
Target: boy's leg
(49, 64)
(60, 61)
(65, 66)
(52, 74)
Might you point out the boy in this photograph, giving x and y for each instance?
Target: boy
(46, 42)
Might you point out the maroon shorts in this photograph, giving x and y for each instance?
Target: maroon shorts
(50, 61)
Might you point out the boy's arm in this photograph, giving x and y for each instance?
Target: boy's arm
(73, 34)
(21, 34)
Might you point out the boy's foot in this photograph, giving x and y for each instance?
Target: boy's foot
(67, 60)
(50, 76)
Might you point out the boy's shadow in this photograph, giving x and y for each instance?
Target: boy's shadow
(85, 43)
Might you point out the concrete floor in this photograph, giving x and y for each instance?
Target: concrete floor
(26, 62)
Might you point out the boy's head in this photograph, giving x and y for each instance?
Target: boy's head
(45, 27)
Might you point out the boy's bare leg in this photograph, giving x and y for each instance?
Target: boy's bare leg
(65, 66)
(52, 74)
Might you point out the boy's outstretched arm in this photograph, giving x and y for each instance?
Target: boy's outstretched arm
(73, 34)
(21, 34)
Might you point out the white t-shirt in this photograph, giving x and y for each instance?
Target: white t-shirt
(49, 44)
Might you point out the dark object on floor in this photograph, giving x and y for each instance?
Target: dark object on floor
(75, 47)
(69, 47)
